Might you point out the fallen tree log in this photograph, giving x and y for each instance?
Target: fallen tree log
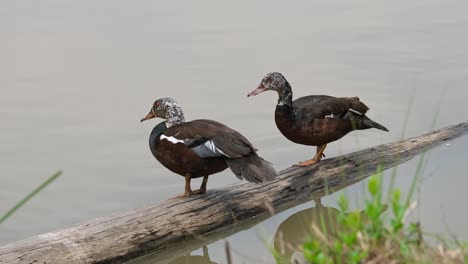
(179, 225)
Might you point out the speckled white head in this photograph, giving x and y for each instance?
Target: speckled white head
(168, 109)
(275, 81)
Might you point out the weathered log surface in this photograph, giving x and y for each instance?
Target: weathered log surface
(178, 225)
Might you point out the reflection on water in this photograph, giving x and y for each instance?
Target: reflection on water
(289, 237)
(191, 259)
(188, 257)
(76, 75)
(293, 232)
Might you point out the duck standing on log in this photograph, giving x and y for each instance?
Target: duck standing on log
(202, 147)
(314, 120)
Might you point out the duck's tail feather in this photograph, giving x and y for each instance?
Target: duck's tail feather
(252, 168)
(368, 123)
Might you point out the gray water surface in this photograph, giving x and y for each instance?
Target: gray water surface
(76, 77)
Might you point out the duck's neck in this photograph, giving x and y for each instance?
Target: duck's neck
(175, 117)
(285, 115)
(285, 95)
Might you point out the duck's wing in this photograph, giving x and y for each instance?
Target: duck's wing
(208, 138)
(323, 106)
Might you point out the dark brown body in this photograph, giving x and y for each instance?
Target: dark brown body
(314, 120)
(202, 147)
(316, 132)
(181, 160)
(306, 122)
(176, 148)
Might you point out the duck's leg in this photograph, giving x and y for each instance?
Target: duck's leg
(317, 158)
(188, 189)
(202, 189)
(323, 154)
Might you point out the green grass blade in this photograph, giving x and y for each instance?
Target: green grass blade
(29, 196)
(402, 136)
(420, 166)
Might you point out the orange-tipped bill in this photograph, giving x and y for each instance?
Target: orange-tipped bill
(260, 89)
(148, 116)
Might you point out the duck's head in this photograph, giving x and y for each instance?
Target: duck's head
(166, 108)
(274, 81)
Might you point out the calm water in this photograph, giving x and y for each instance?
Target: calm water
(76, 77)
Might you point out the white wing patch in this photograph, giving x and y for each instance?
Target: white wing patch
(208, 150)
(329, 116)
(205, 150)
(171, 139)
(355, 111)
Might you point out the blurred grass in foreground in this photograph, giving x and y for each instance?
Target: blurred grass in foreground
(367, 236)
(29, 196)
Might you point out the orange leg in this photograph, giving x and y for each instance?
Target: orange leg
(317, 158)
(202, 189)
(188, 189)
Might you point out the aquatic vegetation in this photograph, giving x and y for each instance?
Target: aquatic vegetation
(369, 237)
(29, 196)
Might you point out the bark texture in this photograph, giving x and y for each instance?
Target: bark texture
(179, 225)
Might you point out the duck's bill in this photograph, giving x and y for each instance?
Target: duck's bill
(148, 116)
(260, 89)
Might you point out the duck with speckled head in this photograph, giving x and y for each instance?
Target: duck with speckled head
(314, 120)
(203, 147)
